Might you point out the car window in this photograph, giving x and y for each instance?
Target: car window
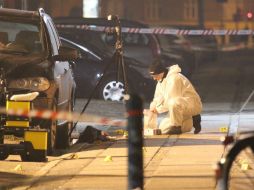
(238, 39)
(21, 36)
(88, 38)
(109, 39)
(198, 39)
(172, 38)
(84, 51)
(128, 39)
(135, 39)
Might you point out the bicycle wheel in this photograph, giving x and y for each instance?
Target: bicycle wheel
(237, 170)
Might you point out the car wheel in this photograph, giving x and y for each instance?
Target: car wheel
(63, 140)
(112, 90)
(1, 137)
(4, 154)
(52, 131)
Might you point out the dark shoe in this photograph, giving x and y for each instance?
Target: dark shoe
(196, 123)
(175, 130)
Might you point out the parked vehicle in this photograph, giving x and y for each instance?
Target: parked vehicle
(177, 42)
(91, 67)
(205, 47)
(142, 47)
(33, 60)
(176, 48)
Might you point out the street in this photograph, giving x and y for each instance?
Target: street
(170, 161)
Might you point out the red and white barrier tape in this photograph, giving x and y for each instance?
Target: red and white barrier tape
(48, 114)
(159, 30)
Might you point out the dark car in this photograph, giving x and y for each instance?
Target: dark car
(142, 47)
(205, 47)
(91, 67)
(32, 59)
(176, 48)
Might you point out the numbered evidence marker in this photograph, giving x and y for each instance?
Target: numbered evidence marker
(18, 167)
(244, 165)
(108, 159)
(74, 156)
(224, 129)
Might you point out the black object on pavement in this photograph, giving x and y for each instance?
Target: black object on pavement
(89, 135)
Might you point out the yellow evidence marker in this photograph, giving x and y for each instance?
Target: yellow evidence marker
(224, 129)
(108, 159)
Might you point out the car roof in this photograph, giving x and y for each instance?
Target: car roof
(5, 12)
(98, 21)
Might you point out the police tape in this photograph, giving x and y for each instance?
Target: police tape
(166, 31)
(62, 115)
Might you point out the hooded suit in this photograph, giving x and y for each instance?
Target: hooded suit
(176, 95)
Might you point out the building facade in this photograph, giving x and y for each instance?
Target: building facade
(231, 14)
(55, 8)
(212, 14)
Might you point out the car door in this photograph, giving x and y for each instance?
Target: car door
(62, 70)
(88, 70)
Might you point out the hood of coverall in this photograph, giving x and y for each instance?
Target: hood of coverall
(173, 69)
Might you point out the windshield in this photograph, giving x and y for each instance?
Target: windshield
(20, 38)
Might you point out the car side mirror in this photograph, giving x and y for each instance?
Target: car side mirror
(66, 54)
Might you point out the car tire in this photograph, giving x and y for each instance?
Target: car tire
(1, 137)
(4, 154)
(52, 131)
(63, 139)
(111, 90)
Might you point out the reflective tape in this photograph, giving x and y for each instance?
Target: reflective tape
(48, 114)
(166, 31)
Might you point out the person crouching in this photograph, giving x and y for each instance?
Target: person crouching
(176, 95)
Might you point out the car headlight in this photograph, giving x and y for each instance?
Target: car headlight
(32, 83)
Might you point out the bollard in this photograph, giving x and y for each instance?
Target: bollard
(134, 107)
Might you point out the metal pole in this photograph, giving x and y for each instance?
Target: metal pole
(134, 106)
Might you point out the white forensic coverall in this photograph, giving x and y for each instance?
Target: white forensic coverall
(177, 96)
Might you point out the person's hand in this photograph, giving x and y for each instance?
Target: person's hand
(153, 107)
(154, 110)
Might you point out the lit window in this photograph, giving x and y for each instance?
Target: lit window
(90, 8)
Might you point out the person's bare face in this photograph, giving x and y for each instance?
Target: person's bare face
(158, 77)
